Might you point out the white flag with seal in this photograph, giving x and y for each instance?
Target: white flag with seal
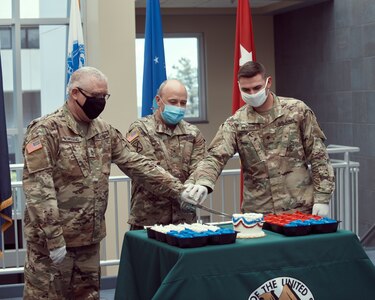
(76, 46)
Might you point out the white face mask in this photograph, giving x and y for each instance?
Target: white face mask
(255, 100)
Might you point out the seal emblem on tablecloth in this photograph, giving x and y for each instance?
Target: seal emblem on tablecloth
(282, 288)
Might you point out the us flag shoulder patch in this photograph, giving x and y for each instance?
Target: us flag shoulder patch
(33, 146)
(132, 135)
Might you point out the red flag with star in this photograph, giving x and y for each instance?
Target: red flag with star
(244, 51)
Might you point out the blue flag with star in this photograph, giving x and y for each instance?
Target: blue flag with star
(154, 61)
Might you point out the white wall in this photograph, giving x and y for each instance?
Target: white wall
(110, 40)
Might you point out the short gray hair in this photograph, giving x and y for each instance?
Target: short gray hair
(83, 74)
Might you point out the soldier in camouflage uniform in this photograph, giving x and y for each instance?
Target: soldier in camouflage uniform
(175, 145)
(276, 138)
(68, 156)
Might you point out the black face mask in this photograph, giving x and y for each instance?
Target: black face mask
(93, 107)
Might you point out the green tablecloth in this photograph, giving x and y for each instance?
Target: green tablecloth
(330, 266)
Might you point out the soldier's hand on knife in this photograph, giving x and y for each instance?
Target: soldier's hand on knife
(196, 192)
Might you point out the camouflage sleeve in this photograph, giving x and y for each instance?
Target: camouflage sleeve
(39, 189)
(154, 178)
(221, 149)
(316, 154)
(199, 153)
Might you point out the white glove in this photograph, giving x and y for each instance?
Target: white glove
(196, 192)
(186, 198)
(320, 209)
(58, 254)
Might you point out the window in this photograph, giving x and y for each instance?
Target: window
(184, 61)
(30, 38)
(5, 9)
(5, 38)
(33, 48)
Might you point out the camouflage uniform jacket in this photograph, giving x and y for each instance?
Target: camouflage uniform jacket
(178, 151)
(275, 149)
(65, 178)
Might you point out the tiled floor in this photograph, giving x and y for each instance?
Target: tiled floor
(104, 295)
(107, 294)
(371, 254)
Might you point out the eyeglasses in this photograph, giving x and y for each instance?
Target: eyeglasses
(98, 96)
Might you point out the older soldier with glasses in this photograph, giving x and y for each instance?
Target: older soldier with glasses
(68, 156)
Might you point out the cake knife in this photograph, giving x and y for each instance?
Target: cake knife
(191, 207)
(210, 210)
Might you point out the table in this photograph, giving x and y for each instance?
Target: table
(321, 266)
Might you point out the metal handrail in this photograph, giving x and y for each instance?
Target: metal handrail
(345, 198)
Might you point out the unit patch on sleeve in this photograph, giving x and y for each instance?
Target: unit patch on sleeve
(133, 138)
(137, 146)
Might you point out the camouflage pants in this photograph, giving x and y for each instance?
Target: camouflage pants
(77, 277)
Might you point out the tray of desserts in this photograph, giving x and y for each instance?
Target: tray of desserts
(192, 235)
(298, 223)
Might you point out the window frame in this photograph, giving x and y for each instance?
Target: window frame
(201, 70)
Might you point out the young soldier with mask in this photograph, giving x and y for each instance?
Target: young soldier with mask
(276, 138)
(68, 156)
(175, 145)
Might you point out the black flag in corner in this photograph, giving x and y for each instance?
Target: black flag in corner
(5, 186)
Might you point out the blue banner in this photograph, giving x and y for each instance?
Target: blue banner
(154, 72)
(5, 187)
(76, 46)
